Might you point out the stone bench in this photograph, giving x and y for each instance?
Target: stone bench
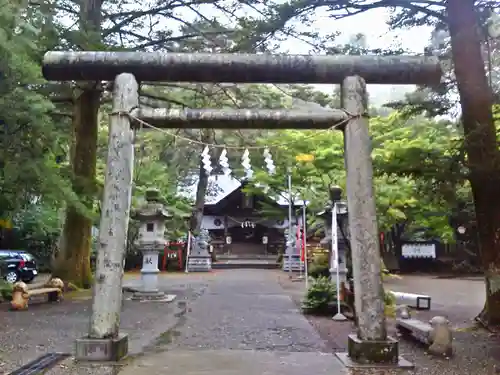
(435, 335)
(417, 301)
(418, 329)
(21, 293)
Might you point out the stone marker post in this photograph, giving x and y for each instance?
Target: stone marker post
(104, 342)
(370, 345)
(152, 216)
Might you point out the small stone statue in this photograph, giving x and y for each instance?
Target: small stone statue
(199, 257)
(202, 242)
(403, 312)
(441, 337)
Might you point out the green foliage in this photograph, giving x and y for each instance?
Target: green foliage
(28, 138)
(419, 163)
(34, 183)
(389, 299)
(320, 295)
(418, 171)
(319, 267)
(279, 260)
(5, 290)
(36, 230)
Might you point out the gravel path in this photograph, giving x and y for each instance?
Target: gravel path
(246, 309)
(477, 352)
(246, 324)
(44, 327)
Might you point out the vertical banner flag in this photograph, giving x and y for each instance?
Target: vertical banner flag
(300, 240)
(335, 249)
(303, 252)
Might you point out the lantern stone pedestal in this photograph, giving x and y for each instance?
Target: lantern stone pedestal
(342, 273)
(200, 259)
(149, 273)
(151, 241)
(291, 258)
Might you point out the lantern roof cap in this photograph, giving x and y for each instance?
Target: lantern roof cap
(153, 207)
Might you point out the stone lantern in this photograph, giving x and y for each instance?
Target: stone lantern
(200, 259)
(291, 258)
(151, 240)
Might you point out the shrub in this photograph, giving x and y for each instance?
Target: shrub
(390, 304)
(6, 290)
(389, 299)
(279, 260)
(320, 296)
(320, 266)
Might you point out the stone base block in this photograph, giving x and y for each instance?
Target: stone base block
(349, 363)
(199, 264)
(148, 296)
(102, 350)
(373, 352)
(292, 262)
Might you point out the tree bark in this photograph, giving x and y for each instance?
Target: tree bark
(72, 263)
(201, 191)
(480, 142)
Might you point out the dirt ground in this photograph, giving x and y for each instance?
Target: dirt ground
(53, 328)
(48, 328)
(477, 351)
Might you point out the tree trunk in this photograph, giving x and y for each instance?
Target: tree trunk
(72, 263)
(201, 191)
(480, 143)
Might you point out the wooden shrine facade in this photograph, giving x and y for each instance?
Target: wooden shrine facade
(238, 226)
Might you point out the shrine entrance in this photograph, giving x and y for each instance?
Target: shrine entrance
(239, 229)
(371, 343)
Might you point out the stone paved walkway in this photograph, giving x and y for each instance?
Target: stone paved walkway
(244, 324)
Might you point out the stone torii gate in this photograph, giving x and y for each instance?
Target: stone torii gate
(370, 344)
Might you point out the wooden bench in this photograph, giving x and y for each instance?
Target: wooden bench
(435, 335)
(417, 301)
(21, 293)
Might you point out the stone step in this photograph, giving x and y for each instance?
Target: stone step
(246, 256)
(245, 263)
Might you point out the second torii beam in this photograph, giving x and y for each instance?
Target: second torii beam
(240, 118)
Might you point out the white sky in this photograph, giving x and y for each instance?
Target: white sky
(373, 25)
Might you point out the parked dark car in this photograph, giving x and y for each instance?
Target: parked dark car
(17, 265)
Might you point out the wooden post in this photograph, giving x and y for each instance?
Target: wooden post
(104, 342)
(370, 344)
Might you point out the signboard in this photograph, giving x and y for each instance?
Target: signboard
(419, 250)
(304, 157)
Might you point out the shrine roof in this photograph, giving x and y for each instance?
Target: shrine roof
(220, 186)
